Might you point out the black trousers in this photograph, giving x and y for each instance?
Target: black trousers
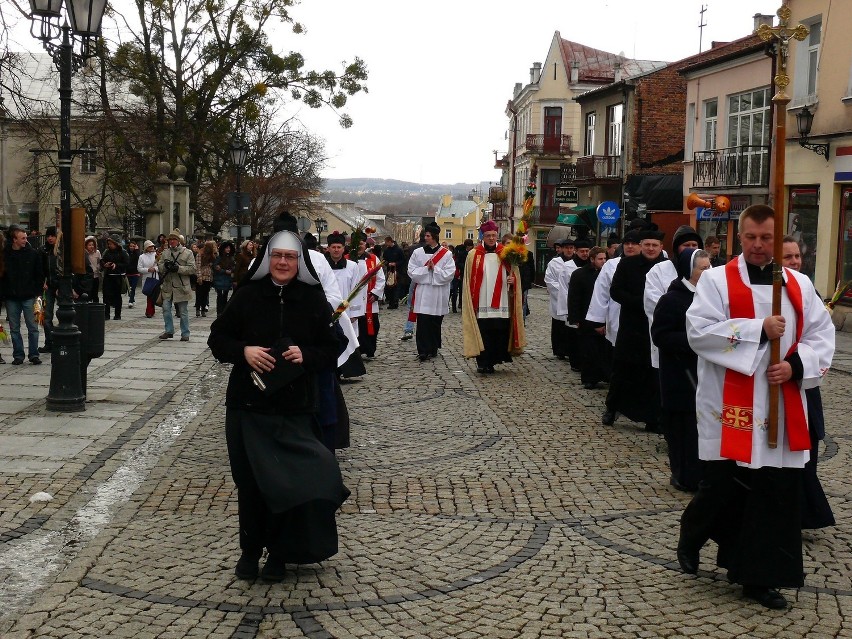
(112, 294)
(392, 296)
(558, 337)
(221, 300)
(681, 432)
(202, 295)
(595, 355)
(753, 515)
(495, 338)
(428, 335)
(366, 342)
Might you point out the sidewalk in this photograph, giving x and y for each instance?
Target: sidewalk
(482, 507)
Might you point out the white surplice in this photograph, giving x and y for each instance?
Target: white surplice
(602, 308)
(657, 282)
(364, 266)
(332, 293)
(432, 295)
(556, 287)
(491, 267)
(722, 343)
(565, 274)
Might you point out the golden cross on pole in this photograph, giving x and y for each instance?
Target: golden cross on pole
(782, 34)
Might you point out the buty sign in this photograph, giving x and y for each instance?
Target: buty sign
(566, 195)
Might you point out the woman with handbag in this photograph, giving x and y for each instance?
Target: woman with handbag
(150, 277)
(277, 328)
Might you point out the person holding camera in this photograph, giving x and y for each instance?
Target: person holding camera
(175, 265)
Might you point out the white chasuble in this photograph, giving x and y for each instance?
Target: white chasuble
(722, 343)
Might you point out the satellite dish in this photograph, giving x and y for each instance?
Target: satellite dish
(303, 224)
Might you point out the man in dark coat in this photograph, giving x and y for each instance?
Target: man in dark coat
(593, 357)
(679, 370)
(22, 282)
(634, 389)
(394, 259)
(51, 285)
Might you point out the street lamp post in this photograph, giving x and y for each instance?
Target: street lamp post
(321, 226)
(239, 152)
(66, 375)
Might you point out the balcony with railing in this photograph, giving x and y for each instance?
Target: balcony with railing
(500, 212)
(497, 194)
(537, 144)
(736, 166)
(593, 168)
(545, 214)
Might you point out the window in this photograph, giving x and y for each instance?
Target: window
(813, 57)
(803, 221)
(708, 139)
(87, 160)
(470, 235)
(613, 129)
(448, 234)
(552, 122)
(844, 251)
(749, 128)
(589, 148)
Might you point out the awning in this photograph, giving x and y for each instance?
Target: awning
(558, 233)
(578, 216)
(656, 192)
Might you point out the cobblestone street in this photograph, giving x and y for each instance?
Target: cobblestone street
(482, 506)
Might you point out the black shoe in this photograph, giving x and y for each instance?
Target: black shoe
(247, 567)
(608, 418)
(273, 569)
(17, 361)
(423, 357)
(576, 369)
(107, 318)
(45, 349)
(35, 360)
(590, 385)
(197, 313)
(167, 335)
(117, 317)
(688, 560)
(653, 427)
(766, 597)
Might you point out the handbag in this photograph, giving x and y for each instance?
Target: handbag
(284, 373)
(125, 285)
(159, 301)
(151, 286)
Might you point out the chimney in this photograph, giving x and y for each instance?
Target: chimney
(762, 18)
(575, 72)
(535, 73)
(616, 69)
(518, 87)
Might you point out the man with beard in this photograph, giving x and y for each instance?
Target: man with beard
(492, 316)
(591, 342)
(580, 258)
(659, 278)
(431, 269)
(346, 272)
(558, 299)
(634, 389)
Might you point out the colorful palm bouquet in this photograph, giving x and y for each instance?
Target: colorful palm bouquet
(515, 252)
(357, 289)
(839, 293)
(4, 336)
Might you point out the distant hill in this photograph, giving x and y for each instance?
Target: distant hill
(397, 196)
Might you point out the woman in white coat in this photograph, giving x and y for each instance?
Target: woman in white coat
(148, 268)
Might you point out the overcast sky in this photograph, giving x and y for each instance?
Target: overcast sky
(441, 71)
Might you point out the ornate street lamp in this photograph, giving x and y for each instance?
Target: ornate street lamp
(321, 225)
(239, 152)
(66, 375)
(804, 122)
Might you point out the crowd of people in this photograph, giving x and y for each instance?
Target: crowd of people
(679, 342)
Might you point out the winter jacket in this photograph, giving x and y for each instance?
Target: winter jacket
(223, 270)
(24, 278)
(176, 286)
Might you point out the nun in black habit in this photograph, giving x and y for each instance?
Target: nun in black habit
(289, 485)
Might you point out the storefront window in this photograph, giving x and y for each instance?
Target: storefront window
(844, 250)
(803, 220)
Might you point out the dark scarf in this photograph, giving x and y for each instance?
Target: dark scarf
(337, 266)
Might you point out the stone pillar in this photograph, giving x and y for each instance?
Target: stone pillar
(180, 198)
(158, 215)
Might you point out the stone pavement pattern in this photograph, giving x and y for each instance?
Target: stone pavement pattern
(492, 506)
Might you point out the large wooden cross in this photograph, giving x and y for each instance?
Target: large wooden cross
(781, 35)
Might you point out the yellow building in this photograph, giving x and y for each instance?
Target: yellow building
(459, 219)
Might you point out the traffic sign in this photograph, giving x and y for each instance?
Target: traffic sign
(608, 212)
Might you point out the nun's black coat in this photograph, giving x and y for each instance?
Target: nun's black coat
(289, 484)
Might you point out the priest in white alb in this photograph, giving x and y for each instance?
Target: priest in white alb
(749, 500)
(492, 309)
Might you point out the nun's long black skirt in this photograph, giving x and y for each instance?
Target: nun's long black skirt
(289, 485)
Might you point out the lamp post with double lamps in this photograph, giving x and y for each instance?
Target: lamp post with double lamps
(66, 385)
(239, 200)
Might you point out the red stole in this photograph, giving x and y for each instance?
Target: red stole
(412, 316)
(738, 391)
(477, 274)
(370, 260)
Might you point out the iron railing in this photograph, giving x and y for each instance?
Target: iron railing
(548, 144)
(734, 166)
(596, 167)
